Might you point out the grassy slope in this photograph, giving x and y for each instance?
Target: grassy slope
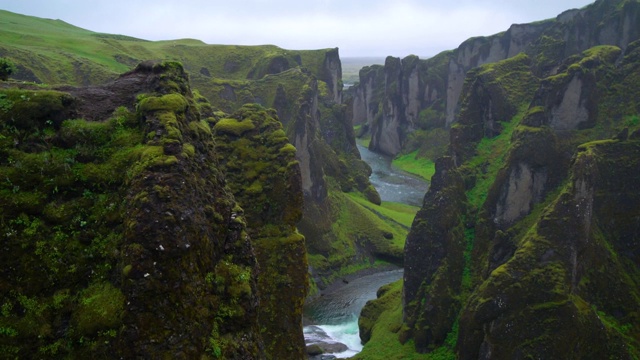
(411, 163)
(384, 344)
(359, 221)
(397, 212)
(29, 40)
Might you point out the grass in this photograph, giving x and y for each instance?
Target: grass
(420, 166)
(384, 342)
(380, 229)
(490, 154)
(360, 221)
(58, 52)
(402, 214)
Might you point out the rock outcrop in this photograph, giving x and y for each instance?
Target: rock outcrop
(123, 238)
(259, 162)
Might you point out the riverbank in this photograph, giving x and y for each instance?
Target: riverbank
(393, 184)
(345, 280)
(331, 315)
(331, 320)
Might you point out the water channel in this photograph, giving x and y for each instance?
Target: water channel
(393, 184)
(335, 314)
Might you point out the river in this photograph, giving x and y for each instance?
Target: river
(334, 316)
(393, 184)
(336, 313)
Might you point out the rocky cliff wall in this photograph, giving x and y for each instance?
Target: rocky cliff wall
(123, 238)
(264, 176)
(535, 244)
(610, 22)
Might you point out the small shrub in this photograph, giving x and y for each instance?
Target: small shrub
(6, 69)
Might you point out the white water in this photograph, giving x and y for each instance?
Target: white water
(335, 314)
(346, 333)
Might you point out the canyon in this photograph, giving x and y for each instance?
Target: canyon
(182, 200)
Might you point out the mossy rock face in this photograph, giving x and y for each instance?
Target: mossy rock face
(186, 214)
(434, 252)
(372, 195)
(271, 65)
(560, 283)
(265, 178)
(492, 94)
(122, 237)
(101, 307)
(35, 110)
(534, 281)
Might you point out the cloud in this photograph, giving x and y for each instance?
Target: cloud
(357, 27)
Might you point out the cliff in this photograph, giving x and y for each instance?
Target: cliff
(526, 245)
(543, 244)
(262, 172)
(123, 237)
(411, 97)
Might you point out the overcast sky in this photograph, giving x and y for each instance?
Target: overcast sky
(357, 27)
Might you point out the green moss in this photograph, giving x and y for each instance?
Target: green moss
(513, 76)
(200, 128)
(491, 153)
(100, 307)
(86, 133)
(371, 194)
(170, 102)
(188, 150)
(150, 157)
(288, 148)
(604, 53)
(255, 188)
(411, 163)
(127, 270)
(34, 110)
(234, 126)
(170, 123)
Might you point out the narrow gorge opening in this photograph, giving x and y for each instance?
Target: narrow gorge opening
(331, 319)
